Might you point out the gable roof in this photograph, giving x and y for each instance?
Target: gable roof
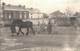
(57, 13)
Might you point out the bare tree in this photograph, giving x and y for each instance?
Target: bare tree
(68, 12)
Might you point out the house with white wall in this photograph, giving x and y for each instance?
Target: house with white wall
(36, 16)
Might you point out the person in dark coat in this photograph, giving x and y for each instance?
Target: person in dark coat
(12, 27)
(13, 30)
(49, 27)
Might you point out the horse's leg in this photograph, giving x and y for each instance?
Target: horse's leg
(32, 30)
(18, 33)
(27, 31)
(21, 31)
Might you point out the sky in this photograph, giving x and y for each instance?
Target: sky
(47, 6)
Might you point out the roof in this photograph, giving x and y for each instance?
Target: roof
(15, 8)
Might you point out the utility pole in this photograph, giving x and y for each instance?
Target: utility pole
(0, 9)
(3, 4)
(1, 12)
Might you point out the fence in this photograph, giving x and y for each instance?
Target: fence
(56, 29)
(40, 28)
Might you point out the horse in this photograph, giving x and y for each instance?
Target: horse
(20, 24)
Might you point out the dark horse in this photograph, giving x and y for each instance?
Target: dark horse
(19, 23)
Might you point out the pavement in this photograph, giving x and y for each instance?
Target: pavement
(42, 42)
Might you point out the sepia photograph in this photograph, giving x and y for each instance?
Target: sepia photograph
(39, 25)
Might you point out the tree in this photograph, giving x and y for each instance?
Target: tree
(68, 12)
(77, 14)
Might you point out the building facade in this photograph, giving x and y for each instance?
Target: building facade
(14, 12)
(34, 13)
(60, 19)
(10, 12)
(36, 16)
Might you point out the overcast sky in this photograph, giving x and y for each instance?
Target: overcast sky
(47, 5)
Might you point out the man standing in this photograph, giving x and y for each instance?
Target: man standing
(49, 27)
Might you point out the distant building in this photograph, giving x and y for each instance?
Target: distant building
(34, 13)
(56, 14)
(10, 12)
(36, 16)
(60, 19)
(14, 12)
